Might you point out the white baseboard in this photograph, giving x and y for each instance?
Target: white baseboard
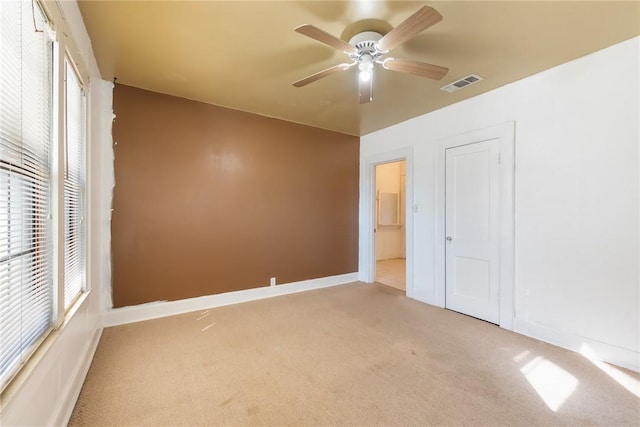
(138, 313)
(588, 347)
(65, 409)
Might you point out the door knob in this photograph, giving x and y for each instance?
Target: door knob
(449, 238)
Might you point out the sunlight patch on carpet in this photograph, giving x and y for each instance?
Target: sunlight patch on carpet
(625, 380)
(520, 357)
(552, 383)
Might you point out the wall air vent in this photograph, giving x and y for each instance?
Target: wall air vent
(463, 82)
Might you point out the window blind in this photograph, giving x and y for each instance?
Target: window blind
(74, 188)
(26, 99)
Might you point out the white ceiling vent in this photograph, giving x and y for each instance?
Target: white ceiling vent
(463, 82)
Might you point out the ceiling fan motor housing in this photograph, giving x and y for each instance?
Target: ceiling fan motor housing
(366, 42)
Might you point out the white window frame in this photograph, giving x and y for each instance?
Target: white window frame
(61, 56)
(81, 237)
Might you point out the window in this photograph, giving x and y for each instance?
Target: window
(74, 188)
(42, 160)
(26, 100)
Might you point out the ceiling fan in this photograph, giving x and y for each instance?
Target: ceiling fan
(368, 48)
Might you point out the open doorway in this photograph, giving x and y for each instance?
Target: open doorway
(390, 224)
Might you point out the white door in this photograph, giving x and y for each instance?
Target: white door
(472, 229)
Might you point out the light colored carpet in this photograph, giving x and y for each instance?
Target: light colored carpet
(355, 354)
(392, 272)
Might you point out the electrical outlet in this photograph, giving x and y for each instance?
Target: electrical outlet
(272, 282)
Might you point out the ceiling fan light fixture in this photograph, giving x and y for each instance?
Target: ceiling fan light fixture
(365, 75)
(365, 65)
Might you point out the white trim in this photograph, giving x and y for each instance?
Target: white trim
(506, 134)
(69, 398)
(57, 176)
(155, 310)
(588, 347)
(368, 209)
(55, 374)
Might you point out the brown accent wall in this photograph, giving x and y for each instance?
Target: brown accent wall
(211, 200)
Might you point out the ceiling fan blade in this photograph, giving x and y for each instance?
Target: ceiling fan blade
(321, 74)
(366, 90)
(409, 28)
(416, 68)
(326, 38)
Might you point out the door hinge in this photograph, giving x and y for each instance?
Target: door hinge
(499, 158)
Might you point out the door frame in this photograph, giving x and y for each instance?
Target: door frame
(505, 133)
(367, 255)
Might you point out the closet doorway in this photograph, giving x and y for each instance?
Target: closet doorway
(390, 224)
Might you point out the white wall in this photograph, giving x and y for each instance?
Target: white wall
(577, 197)
(389, 239)
(44, 393)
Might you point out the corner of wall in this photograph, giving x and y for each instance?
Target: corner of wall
(102, 185)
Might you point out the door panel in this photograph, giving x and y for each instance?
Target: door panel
(473, 277)
(472, 246)
(471, 195)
